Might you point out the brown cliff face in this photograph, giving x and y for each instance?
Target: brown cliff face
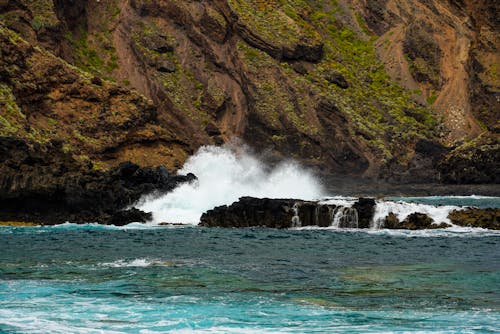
(352, 87)
(447, 52)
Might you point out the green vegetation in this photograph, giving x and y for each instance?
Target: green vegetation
(37, 23)
(101, 63)
(362, 24)
(278, 22)
(271, 96)
(381, 113)
(431, 98)
(85, 57)
(11, 116)
(43, 11)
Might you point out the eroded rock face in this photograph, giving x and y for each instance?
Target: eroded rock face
(42, 184)
(476, 162)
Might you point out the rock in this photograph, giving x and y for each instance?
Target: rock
(473, 162)
(165, 65)
(472, 217)
(133, 215)
(251, 212)
(417, 221)
(391, 221)
(265, 212)
(212, 130)
(337, 79)
(96, 81)
(53, 187)
(158, 43)
(214, 25)
(366, 210)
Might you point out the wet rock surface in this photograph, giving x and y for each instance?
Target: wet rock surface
(289, 213)
(415, 221)
(40, 183)
(484, 218)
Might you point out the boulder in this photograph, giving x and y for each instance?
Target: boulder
(366, 210)
(133, 215)
(417, 221)
(337, 79)
(473, 217)
(391, 221)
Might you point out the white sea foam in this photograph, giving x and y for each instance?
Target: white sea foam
(224, 175)
(137, 263)
(403, 209)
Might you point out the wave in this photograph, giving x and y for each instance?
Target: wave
(224, 175)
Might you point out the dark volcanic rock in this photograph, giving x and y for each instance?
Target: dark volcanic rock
(484, 218)
(40, 183)
(337, 79)
(391, 221)
(417, 221)
(474, 162)
(249, 211)
(366, 210)
(286, 213)
(265, 212)
(133, 215)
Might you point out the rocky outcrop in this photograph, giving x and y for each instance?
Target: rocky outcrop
(484, 218)
(249, 212)
(287, 213)
(365, 208)
(45, 98)
(40, 183)
(477, 161)
(414, 221)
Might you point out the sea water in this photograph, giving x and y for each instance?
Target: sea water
(145, 278)
(95, 279)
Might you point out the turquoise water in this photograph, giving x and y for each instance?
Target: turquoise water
(95, 279)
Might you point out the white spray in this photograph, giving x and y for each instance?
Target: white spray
(224, 175)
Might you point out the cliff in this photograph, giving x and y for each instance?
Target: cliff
(385, 89)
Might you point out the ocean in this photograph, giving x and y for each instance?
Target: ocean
(136, 279)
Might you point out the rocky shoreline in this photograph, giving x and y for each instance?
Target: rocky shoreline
(43, 185)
